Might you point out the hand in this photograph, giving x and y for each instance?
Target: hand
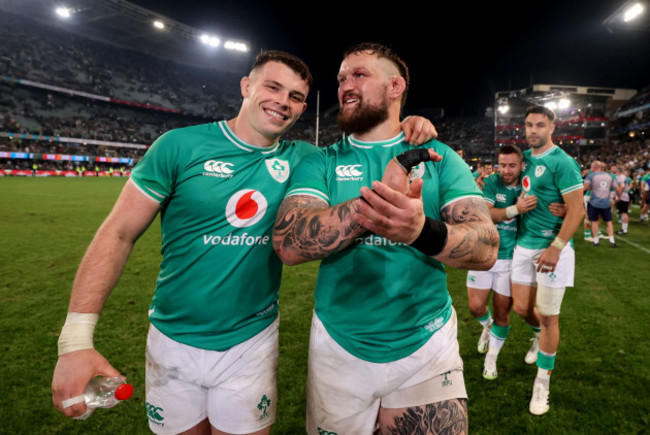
(558, 209)
(479, 181)
(548, 260)
(72, 373)
(395, 177)
(418, 130)
(526, 203)
(389, 213)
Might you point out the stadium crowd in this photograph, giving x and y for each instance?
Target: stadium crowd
(180, 95)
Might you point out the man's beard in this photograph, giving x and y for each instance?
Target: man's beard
(363, 119)
(540, 143)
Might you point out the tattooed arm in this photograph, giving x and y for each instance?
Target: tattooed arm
(472, 238)
(307, 229)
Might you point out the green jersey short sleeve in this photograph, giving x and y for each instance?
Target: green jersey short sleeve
(547, 176)
(219, 277)
(502, 196)
(381, 300)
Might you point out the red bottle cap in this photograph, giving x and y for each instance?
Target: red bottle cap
(124, 391)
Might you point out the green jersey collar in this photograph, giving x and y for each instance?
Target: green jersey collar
(382, 143)
(544, 154)
(230, 135)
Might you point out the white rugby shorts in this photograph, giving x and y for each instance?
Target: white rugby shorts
(344, 393)
(235, 389)
(524, 268)
(497, 278)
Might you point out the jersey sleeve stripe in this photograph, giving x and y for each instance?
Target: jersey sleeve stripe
(458, 199)
(571, 189)
(308, 192)
(152, 194)
(490, 200)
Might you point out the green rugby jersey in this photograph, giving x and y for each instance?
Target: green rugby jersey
(219, 276)
(378, 299)
(548, 176)
(502, 196)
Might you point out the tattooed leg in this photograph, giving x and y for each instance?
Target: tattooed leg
(445, 417)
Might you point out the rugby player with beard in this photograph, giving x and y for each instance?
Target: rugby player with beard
(505, 200)
(383, 347)
(212, 348)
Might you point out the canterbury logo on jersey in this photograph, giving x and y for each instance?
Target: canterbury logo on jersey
(215, 168)
(501, 197)
(348, 172)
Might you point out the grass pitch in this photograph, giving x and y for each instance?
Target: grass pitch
(600, 384)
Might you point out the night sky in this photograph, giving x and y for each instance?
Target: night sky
(459, 53)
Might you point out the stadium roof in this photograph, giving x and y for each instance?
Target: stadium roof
(126, 25)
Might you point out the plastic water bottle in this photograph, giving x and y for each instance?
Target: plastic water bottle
(104, 392)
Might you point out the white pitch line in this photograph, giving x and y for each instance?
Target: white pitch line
(636, 245)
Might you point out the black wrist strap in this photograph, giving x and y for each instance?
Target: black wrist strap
(432, 239)
(413, 157)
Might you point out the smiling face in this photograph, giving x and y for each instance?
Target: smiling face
(366, 86)
(274, 98)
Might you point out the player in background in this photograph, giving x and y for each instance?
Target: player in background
(505, 201)
(644, 187)
(543, 262)
(383, 345)
(588, 237)
(212, 348)
(601, 185)
(614, 172)
(622, 188)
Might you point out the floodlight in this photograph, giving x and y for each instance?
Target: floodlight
(210, 40)
(503, 109)
(159, 24)
(63, 12)
(564, 103)
(237, 46)
(551, 105)
(634, 11)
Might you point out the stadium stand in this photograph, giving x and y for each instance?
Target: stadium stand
(67, 101)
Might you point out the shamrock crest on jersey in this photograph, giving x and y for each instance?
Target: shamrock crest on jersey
(417, 171)
(539, 171)
(279, 169)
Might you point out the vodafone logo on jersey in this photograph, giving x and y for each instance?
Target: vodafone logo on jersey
(246, 208)
(525, 184)
(214, 168)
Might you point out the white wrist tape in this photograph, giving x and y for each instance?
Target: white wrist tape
(511, 211)
(77, 332)
(558, 243)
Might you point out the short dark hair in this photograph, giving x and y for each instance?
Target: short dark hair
(293, 62)
(387, 53)
(541, 110)
(511, 149)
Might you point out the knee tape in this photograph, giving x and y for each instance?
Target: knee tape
(549, 300)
